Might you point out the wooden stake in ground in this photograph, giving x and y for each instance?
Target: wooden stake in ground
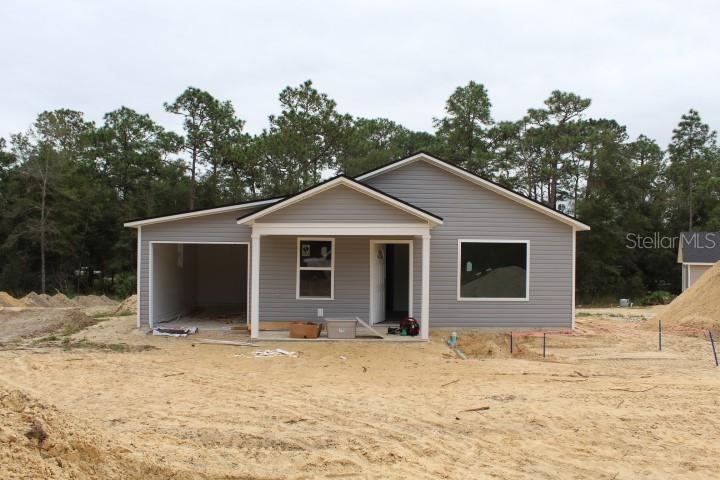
(712, 342)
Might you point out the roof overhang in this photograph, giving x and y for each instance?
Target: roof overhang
(561, 217)
(200, 213)
(432, 220)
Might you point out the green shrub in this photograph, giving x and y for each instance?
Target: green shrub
(126, 284)
(658, 297)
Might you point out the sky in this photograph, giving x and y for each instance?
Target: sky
(643, 63)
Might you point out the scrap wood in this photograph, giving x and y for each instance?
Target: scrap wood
(477, 409)
(173, 374)
(210, 341)
(450, 383)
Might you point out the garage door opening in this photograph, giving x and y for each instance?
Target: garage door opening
(199, 283)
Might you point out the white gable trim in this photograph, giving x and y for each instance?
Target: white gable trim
(201, 213)
(350, 184)
(478, 181)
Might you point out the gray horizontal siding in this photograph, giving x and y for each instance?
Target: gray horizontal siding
(340, 204)
(470, 211)
(278, 277)
(219, 227)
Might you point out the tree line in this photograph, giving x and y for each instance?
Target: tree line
(67, 184)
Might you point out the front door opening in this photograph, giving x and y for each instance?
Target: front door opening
(390, 282)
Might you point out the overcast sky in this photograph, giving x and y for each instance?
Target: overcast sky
(643, 63)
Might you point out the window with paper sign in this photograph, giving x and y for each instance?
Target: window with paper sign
(315, 268)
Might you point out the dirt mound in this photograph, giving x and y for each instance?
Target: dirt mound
(497, 345)
(39, 441)
(61, 300)
(697, 307)
(33, 299)
(7, 300)
(36, 323)
(93, 301)
(128, 306)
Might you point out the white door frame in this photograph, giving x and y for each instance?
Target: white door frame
(151, 247)
(411, 263)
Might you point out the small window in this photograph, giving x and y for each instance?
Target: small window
(315, 264)
(493, 270)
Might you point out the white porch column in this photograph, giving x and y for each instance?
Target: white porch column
(255, 286)
(425, 298)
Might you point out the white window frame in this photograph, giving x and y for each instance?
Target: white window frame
(492, 299)
(330, 269)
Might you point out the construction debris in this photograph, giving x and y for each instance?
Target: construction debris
(174, 332)
(278, 352)
(210, 341)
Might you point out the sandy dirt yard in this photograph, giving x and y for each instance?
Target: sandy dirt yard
(112, 402)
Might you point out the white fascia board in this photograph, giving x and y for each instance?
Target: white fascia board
(200, 213)
(350, 184)
(579, 226)
(340, 229)
(706, 264)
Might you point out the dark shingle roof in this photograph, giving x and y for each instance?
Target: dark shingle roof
(700, 247)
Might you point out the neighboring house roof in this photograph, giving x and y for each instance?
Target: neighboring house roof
(139, 222)
(478, 180)
(348, 182)
(699, 247)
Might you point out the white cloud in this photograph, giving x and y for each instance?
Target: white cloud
(643, 63)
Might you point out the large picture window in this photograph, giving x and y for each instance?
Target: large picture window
(315, 265)
(493, 270)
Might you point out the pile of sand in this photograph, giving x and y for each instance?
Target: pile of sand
(128, 306)
(61, 300)
(7, 300)
(32, 299)
(93, 301)
(698, 306)
(39, 441)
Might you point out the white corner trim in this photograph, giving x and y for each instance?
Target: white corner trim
(200, 213)
(425, 285)
(411, 264)
(255, 287)
(478, 181)
(574, 264)
(493, 299)
(350, 184)
(330, 269)
(139, 275)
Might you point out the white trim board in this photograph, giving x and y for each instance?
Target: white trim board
(298, 268)
(341, 229)
(200, 213)
(151, 245)
(494, 299)
(411, 262)
(478, 181)
(431, 220)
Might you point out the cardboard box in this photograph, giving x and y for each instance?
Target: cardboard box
(305, 330)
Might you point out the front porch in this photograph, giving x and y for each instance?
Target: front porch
(320, 273)
(321, 254)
